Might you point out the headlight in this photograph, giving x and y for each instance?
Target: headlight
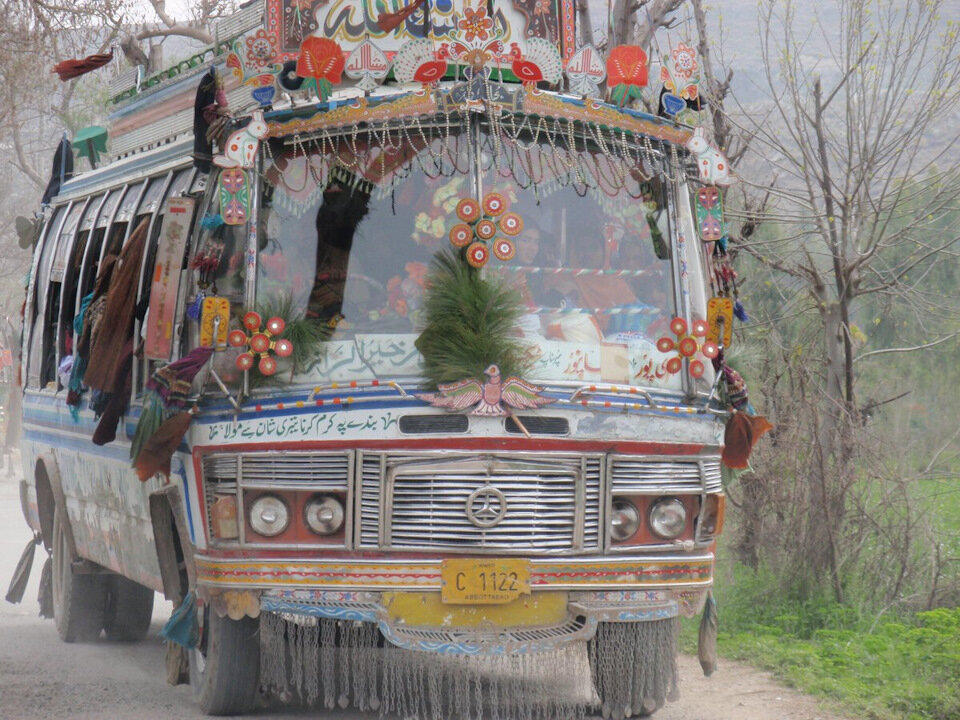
(668, 518)
(269, 515)
(624, 520)
(324, 515)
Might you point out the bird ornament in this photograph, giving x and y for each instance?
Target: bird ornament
(491, 398)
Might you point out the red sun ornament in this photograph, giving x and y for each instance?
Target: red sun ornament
(689, 342)
(626, 73)
(321, 62)
(261, 343)
(479, 226)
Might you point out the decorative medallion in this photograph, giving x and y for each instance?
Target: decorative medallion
(481, 221)
(234, 196)
(626, 73)
(710, 224)
(687, 345)
(486, 507)
(367, 65)
(261, 343)
(240, 150)
(680, 73)
(586, 71)
(488, 398)
(720, 320)
(540, 62)
(714, 168)
(418, 60)
(321, 64)
(251, 62)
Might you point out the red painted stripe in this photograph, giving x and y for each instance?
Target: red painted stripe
(491, 445)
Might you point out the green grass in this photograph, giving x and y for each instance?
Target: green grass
(901, 668)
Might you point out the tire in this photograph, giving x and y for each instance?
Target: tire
(225, 666)
(79, 600)
(129, 610)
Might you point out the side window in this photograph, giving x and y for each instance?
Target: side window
(116, 234)
(224, 247)
(53, 285)
(45, 250)
(71, 275)
(90, 260)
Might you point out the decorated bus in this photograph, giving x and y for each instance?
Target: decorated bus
(387, 342)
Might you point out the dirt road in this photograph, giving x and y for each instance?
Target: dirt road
(44, 679)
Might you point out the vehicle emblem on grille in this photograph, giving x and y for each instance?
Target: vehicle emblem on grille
(486, 507)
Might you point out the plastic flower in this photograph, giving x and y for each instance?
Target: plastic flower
(475, 23)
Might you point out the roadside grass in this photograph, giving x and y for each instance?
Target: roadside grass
(905, 668)
(873, 665)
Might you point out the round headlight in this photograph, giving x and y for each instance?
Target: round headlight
(324, 515)
(668, 518)
(269, 515)
(624, 520)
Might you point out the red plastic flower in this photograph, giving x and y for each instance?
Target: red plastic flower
(627, 65)
(475, 23)
(320, 58)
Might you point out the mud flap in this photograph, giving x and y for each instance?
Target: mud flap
(18, 584)
(45, 594)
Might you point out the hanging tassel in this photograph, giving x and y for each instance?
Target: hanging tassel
(707, 639)
(195, 308)
(182, 627)
(154, 455)
(70, 69)
(739, 437)
(212, 222)
(151, 417)
(740, 312)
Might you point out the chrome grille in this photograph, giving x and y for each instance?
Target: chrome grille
(371, 474)
(643, 476)
(294, 470)
(553, 503)
(592, 504)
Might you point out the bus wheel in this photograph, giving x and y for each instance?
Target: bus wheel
(129, 610)
(633, 666)
(79, 601)
(225, 666)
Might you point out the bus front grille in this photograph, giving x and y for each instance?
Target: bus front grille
(551, 504)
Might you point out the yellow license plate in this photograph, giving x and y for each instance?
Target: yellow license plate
(483, 582)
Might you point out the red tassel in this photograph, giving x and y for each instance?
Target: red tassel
(741, 434)
(69, 69)
(391, 21)
(155, 455)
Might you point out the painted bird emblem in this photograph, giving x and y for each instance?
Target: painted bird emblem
(488, 398)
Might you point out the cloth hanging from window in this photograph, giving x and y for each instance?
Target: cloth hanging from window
(116, 328)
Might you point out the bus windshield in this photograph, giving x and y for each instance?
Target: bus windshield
(349, 232)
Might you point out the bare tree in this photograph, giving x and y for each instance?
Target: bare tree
(855, 172)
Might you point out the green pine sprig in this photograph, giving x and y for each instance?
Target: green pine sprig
(471, 323)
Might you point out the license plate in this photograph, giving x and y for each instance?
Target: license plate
(483, 582)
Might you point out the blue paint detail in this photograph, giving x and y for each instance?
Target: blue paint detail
(318, 611)
(117, 450)
(177, 468)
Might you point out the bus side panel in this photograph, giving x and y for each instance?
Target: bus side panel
(107, 505)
